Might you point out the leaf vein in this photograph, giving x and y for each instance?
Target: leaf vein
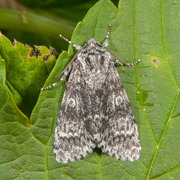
(163, 134)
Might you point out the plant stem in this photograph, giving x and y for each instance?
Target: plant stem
(31, 22)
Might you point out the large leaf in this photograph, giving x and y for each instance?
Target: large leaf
(143, 29)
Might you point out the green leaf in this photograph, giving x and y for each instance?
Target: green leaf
(26, 73)
(145, 30)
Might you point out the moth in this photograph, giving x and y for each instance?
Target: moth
(95, 110)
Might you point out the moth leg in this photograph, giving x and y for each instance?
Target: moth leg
(125, 64)
(68, 66)
(105, 43)
(66, 72)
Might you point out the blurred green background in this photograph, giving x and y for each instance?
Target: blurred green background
(40, 22)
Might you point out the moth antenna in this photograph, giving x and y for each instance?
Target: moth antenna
(74, 45)
(105, 43)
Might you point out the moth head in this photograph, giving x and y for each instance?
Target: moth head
(92, 41)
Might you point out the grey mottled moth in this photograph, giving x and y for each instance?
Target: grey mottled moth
(95, 110)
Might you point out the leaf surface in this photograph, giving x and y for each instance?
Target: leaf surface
(145, 30)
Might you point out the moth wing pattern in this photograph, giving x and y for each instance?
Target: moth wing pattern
(95, 110)
(121, 137)
(71, 141)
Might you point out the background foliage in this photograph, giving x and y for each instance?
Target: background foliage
(146, 30)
